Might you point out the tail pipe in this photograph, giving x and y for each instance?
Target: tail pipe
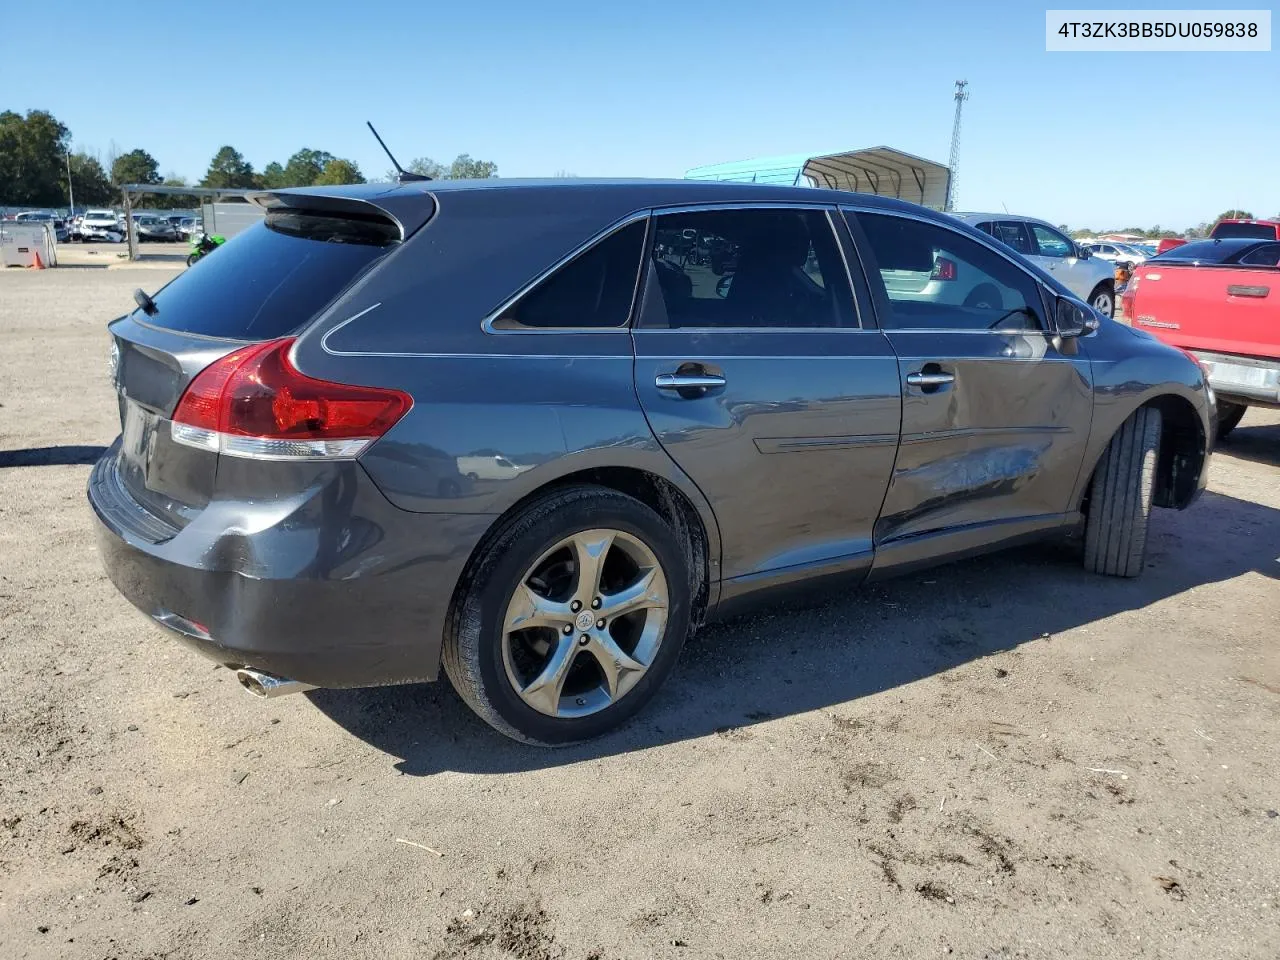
(267, 686)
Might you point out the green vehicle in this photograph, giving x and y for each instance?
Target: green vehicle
(203, 244)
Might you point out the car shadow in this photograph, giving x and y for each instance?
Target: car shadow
(51, 456)
(1260, 443)
(803, 657)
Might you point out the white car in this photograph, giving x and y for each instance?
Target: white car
(101, 225)
(1092, 280)
(1116, 252)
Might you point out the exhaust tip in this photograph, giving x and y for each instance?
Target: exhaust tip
(266, 686)
(252, 682)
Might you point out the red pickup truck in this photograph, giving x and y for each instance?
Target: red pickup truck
(1220, 300)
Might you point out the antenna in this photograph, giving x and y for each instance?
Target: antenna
(961, 96)
(405, 175)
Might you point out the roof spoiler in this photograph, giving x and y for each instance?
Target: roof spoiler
(407, 209)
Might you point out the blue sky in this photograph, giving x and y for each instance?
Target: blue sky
(652, 89)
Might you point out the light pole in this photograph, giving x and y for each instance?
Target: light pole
(71, 190)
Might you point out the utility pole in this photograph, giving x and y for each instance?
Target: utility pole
(961, 96)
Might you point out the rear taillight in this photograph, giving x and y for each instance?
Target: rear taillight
(254, 403)
(943, 269)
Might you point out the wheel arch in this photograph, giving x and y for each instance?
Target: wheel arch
(1183, 452)
(695, 525)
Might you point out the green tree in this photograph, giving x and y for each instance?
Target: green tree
(89, 181)
(464, 168)
(305, 167)
(33, 158)
(338, 171)
(272, 177)
(136, 166)
(229, 169)
(1233, 215)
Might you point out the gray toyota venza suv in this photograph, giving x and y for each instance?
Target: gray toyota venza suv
(537, 432)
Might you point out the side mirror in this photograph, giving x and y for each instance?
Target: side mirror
(1084, 253)
(1073, 319)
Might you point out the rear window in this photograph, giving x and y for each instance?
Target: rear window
(273, 278)
(1201, 251)
(1253, 231)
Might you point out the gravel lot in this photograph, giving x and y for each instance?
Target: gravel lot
(1006, 757)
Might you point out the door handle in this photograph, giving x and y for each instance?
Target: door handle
(930, 379)
(688, 381)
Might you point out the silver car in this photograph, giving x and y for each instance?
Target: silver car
(1090, 279)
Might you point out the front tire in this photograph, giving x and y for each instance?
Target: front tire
(1103, 298)
(524, 645)
(1115, 539)
(1229, 417)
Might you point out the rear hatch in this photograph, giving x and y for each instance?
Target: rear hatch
(266, 283)
(1222, 309)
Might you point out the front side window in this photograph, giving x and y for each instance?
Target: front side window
(746, 268)
(937, 278)
(1051, 243)
(594, 290)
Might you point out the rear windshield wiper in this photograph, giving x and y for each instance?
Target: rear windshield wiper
(148, 305)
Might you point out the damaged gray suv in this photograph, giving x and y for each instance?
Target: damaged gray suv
(537, 432)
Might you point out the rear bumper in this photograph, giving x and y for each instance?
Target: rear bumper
(335, 587)
(1241, 379)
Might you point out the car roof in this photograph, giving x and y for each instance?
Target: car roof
(644, 192)
(974, 217)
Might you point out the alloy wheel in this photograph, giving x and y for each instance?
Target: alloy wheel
(585, 623)
(1104, 303)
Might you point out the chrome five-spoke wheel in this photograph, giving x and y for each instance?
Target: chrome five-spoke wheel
(585, 623)
(572, 614)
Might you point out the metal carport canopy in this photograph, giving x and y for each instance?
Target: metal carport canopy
(883, 171)
(130, 190)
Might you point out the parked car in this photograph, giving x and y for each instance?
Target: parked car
(1166, 244)
(1220, 299)
(101, 225)
(189, 227)
(1049, 248)
(1115, 252)
(1249, 229)
(154, 230)
(292, 490)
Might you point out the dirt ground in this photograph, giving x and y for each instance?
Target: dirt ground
(1006, 757)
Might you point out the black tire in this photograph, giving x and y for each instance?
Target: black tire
(472, 650)
(985, 295)
(1229, 417)
(1107, 307)
(192, 258)
(1115, 537)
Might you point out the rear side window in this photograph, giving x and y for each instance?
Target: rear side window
(1267, 255)
(273, 278)
(594, 290)
(1013, 234)
(938, 279)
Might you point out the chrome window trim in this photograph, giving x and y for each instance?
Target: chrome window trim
(487, 324)
(983, 240)
(848, 276)
(825, 207)
(773, 330)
